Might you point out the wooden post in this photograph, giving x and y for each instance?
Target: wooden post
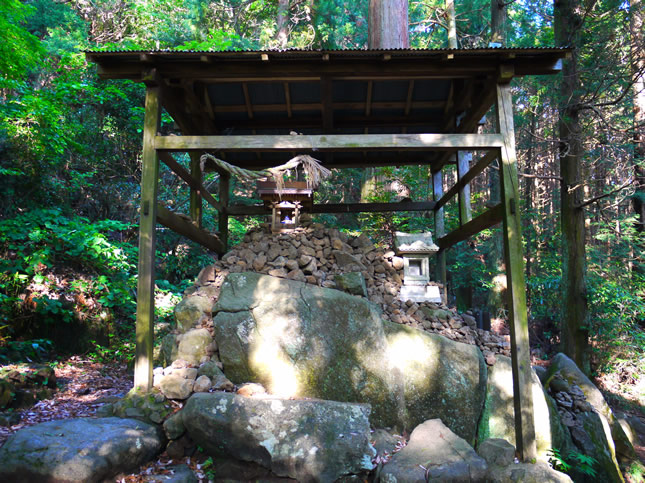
(516, 291)
(224, 187)
(463, 166)
(196, 208)
(147, 241)
(440, 230)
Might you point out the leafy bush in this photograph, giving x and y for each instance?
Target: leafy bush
(572, 462)
(57, 269)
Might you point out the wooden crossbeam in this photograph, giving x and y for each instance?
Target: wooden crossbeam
(186, 228)
(330, 142)
(472, 173)
(245, 210)
(368, 105)
(487, 219)
(183, 173)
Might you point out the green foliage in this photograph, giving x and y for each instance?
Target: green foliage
(36, 350)
(56, 268)
(20, 51)
(572, 462)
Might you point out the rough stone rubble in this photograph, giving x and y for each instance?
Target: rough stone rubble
(323, 257)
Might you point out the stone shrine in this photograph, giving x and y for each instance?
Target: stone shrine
(416, 248)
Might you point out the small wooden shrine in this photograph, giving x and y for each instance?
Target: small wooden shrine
(286, 204)
(353, 109)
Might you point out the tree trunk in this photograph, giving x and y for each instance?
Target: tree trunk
(452, 24)
(638, 78)
(573, 322)
(498, 17)
(495, 296)
(388, 29)
(388, 24)
(283, 23)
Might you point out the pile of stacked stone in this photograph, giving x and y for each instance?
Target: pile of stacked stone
(570, 400)
(332, 259)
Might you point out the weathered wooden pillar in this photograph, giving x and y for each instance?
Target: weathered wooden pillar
(224, 188)
(147, 242)
(465, 209)
(196, 207)
(440, 230)
(516, 291)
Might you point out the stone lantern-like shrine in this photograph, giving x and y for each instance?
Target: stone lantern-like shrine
(286, 204)
(416, 249)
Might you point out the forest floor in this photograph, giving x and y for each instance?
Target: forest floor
(85, 385)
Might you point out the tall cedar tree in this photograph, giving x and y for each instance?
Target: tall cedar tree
(638, 88)
(573, 322)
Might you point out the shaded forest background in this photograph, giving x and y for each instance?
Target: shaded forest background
(70, 163)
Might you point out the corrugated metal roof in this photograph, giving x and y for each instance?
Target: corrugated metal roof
(268, 51)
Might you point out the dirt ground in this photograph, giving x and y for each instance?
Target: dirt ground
(84, 386)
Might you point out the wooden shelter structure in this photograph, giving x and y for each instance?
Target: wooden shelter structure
(359, 108)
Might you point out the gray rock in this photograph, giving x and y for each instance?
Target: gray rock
(352, 283)
(496, 451)
(347, 262)
(218, 380)
(169, 349)
(194, 345)
(595, 441)
(304, 440)
(539, 472)
(498, 417)
(176, 387)
(305, 341)
(540, 372)
(174, 426)
(78, 450)
(385, 442)
(202, 384)
(191, 311)
(178, 474)
(434, 453)
(562, 366)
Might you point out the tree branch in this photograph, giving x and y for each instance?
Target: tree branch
(605, 195)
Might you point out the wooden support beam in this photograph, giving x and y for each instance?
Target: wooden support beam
(368, 98)
(516, 291)
(439, 228)
(465, 208)
(186, 228)
(222, 217)
(194, 184)
(330, 142)
(487, 219)
(147, 243)
(247, 100)
(472, 173)
(196, 208)
(287, 99)
(472, 118)
(245, 210)
(408, 101)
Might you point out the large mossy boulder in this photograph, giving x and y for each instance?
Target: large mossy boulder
(300, 439)
(602, 437)
(568, 370)
(498, 417)
(306, 341)
(78, 450)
